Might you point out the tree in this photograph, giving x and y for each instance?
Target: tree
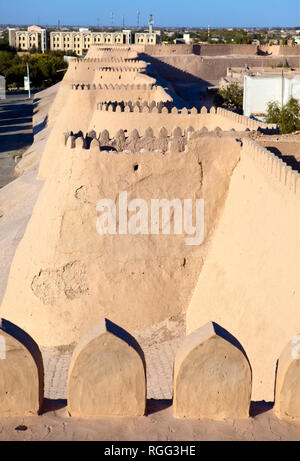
(230, 97)
(287, 117)
(45, 69)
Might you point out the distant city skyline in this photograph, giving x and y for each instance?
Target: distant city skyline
(172, 13)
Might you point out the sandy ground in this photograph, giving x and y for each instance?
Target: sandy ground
(17, 198)
(285, 146)
(159, 343)
(158, 425)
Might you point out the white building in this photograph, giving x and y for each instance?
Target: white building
(260, 90)
(2, 87)
(187, 38)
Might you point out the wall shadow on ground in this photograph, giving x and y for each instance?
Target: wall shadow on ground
(188, 87)
(51, 405)
(155, 406)
(290, 160)
(15, 125)
(257, 408)
(172, 73)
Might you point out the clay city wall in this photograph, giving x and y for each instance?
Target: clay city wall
(210, 70)
(220, 49)
(280, 50)
(200, 50)
(165, 49)
(71, 270)
(249, 281)
(226, 49)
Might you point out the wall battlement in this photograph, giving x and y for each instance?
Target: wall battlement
(122, 69)
(111, 86)
(131, 142)
(193, 117)
(250, 123)
(177, 140)
(273, 165)
(138, 106)
(111, 48)
(109, 59)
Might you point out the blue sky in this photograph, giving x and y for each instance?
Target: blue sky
(193, 13)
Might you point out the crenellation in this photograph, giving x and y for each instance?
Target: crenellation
(149, 133)
(163, 133)
(134, 142)
(176, 132)
(273, 165)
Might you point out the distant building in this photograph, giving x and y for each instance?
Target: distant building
(260, 90)
(81, 40)
(148, 37)
(33, 37)
(2, 87)
(187, 38)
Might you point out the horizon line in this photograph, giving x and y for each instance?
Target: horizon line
(158, 26)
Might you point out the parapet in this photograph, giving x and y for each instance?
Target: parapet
(110, 86)
(22, 372)
(167, 141)
(220, 119)
(145, 107)
(107, 374)
(273, 165)
(248, 122)
(137, 106)
(111, 59)
(131, 142)
(287, 403)
(212, 376)
(122, 69)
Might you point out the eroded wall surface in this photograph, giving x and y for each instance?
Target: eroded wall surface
(65, 275)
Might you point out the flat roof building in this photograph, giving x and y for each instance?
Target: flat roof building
(260, 90)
